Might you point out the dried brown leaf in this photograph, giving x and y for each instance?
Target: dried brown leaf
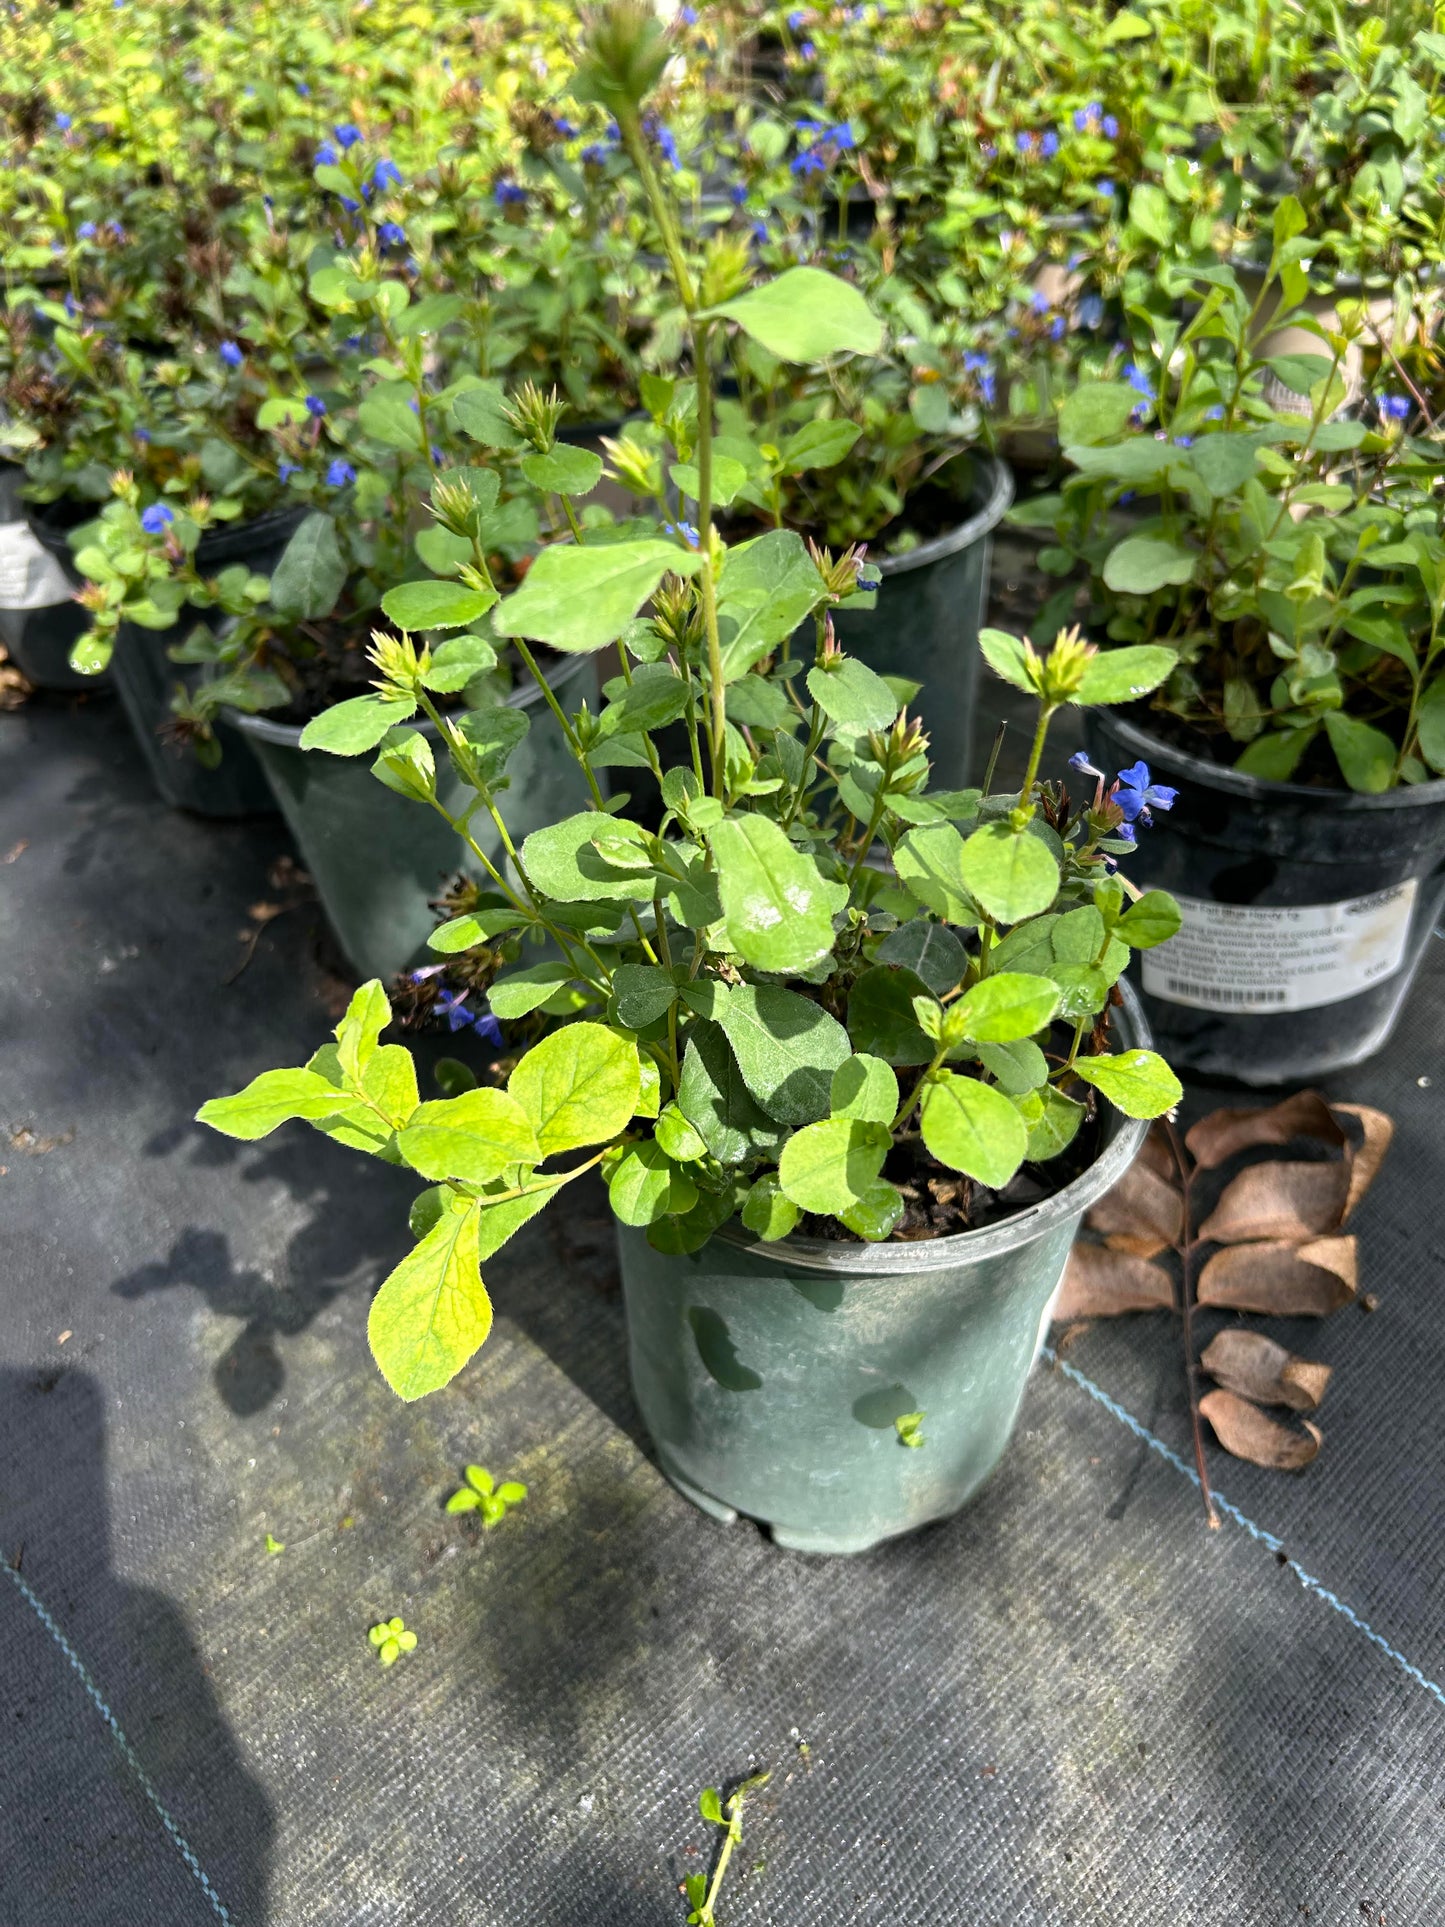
(1281, 1280)
(1278, 1200)
(1365, 1160)
(1248, 1433)
(1155, 1153)
(1255, 1367)
(1099, 1283)
(1141, 1214)
(1224, 1132)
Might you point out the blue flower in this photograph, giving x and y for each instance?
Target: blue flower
(352, 207)
(508, 194)
(796, 19)
(326, 155)
(1058, 327)
(1087, 118)
(1138, 379)
(1049, 145)
(340, 474)
(807, 50)
(451, 1004)
(593, 155)
(1395, 407)
(1080, 761)
(347, 133)
(230, 354)
(760, 231)
(685, 529)
(1122, 833)
(391, 235)
(385, 174)
(156, 519)
(810, 161)
(1091, 310)
(86, 230)
(303, 90)
(738, 193)
(142, 435)
(62, 121)
(1215, 414)
(487, 1028)
(688, 16)
(1024, 142)
(285, 470)
(1106, 188)
(1111, 128)
(1136, 795)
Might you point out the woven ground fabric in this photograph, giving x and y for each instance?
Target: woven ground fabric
(1072, 1703)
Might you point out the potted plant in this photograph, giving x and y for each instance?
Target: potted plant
(1294, 565)
(749, 1020)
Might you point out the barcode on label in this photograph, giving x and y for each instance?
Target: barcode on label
(1219, 994)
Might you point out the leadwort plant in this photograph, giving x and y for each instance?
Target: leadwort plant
(814, 961)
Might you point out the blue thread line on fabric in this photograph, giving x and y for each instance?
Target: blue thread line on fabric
(182, 1845)
(1268, 1539)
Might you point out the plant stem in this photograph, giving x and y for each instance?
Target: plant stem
(1186, 1307)
(1036, 754)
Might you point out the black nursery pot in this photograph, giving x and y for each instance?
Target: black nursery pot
(38, 640)
(144, 676)
(1306, 911)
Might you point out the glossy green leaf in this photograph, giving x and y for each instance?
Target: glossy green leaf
(352, 727)
(580, 599)
(367, 1016)
(578, 1086)
(973, 1128)
(828, 1166)
(778, 907)
(768, 586)
(691, 1232)
(1055, 1128)
(1123, 675)
(474, 1137)
(874, 1214)
(476, 927)
(521, 991)
(564, 864)
(804, 315)
(1002, 1008)
(1137, 1082)
(1154, 919)
(641, 993)
(1010, 872)
(416, 606)
(679, 1139)
(818, 444)
(1017, 1067)
(1366, 755)
(432, 1312)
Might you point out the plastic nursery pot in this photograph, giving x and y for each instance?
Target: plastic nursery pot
(376, 858)
(145, 677)
(1306, 911)
(770, 1376)
(925, 626)
(39, 619)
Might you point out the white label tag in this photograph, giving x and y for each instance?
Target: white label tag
(30, 577)
(1257, 957)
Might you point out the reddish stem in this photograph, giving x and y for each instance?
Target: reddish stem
(1186, 1307)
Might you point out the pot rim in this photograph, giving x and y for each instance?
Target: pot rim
(54, 536)
(526, 696)
(891, 1260)
(982, 522)
(1235, 782)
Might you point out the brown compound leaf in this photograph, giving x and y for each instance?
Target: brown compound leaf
(1218, 1137)
(1141, 1214)
(1099, 1283)
(1278, 1200)
(1248, 1433)
(1155, 1153)
(1366, 1159)
(1281, 1279)
(1258, 1369)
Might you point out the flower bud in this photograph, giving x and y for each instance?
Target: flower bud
(624, 52)
(535, 416)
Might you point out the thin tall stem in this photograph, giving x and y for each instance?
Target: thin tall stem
(1186, 1307)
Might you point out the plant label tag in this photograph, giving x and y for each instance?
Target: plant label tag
(1275, 957)
(30, 577)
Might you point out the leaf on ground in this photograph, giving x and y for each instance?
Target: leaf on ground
(1283, 1280)
(1365, 1159)
(1216, 1138)
(1155, 1153)
(1099, 1283)
(1278, 1200)
(1141, 1214)
(1248, 1433)
(1254, 1366)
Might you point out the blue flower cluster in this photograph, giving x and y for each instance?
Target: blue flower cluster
(156, 519)
(826, 141)
(452, 1004)
(1395, 407)
(509, 194)
(1043, 143)
(1133, 793)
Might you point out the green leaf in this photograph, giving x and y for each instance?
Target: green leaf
(1224, 462)
(1299, 373)
(367, 1016)
(818, 444)
(787, 1048)
(433, 1311)
(710, 1807)
(678, 1138)
(850, 693)
(767, 1213)
(690, 1233)
(829, 1166)
(1151, 213)
(1095, 412)
(416, 606)
(1431, 719)
(521, 991)
(874, 1215)
(387, 415)
(714, 1098)
(311, 573)
(1055, 1129)
(778, 907)
(1010, 872)
(1005, 655)
(928, 949)
(349, 728)
(474, 1137)
(929, 861)
(491, 734)
(728, 477)
(564, 864)
(865, 1087)
(973, 1128)
(1366, 755)
(454, 663)
(1154, 919)
(502, 1221)
(641, 993)
(479, 411)
(274, 1097)
(646, 1185)
(465, 933)
(563, 470)
(768, 586)
(805, 315)
(580, 599)
(1123, 675)
(1275, 756)
(1083, 990)
(1137, 1082)
(1140, 564)
(881, 1019)
(657, 695)
(1017, 1067)
(578, 1086)
(1000, 1009)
